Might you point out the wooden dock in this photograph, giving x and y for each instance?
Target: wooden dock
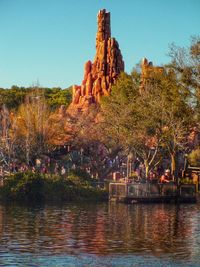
(152, 193)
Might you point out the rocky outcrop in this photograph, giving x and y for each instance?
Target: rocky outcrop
(100, 75)
(147, 70)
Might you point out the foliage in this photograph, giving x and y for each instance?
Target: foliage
(31, 131)
(29, 187)
(80, 177)
(167, 105)
(186, 181)
(56, 97)
(15, 96)
(24, 187)
(186, 64)
(7, 136)
(194, 157)
(119, 112)
(146, 121)
(12, 98)
(150, 121)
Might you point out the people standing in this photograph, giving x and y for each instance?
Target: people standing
(63, 170)
(166, 177)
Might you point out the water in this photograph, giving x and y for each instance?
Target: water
(100, 235)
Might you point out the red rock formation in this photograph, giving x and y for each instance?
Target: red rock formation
(148, 69)
(100, 75)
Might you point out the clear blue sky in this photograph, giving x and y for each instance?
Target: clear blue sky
(50, 40)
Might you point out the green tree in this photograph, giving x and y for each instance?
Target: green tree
(56, 97)
(185, 61)
(169, 111)
(15, 96)
(126, 121)
(12, 97)
(150, 122)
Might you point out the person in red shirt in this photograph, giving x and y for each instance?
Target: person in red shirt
(166, 177)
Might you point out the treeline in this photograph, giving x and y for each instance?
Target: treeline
(154, 120)
(153, 117)
(13, 97)
(30, 125)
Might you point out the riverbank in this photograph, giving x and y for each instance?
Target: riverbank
(31, 187)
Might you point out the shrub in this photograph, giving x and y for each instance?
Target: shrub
(194, 157)
(80, 177)
(35, 187)
(24, 186)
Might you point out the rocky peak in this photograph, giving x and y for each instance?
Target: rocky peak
(147, 70)
(103, 24)
(100, 75)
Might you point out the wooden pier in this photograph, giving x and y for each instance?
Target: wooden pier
(152, 193)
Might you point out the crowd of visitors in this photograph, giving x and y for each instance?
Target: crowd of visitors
(44, 167)
(52, 166)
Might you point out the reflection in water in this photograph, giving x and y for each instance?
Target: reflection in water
(163, 232)
(155, 229)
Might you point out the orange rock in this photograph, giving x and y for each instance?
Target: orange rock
(148, 69)
(76, 93)
(100, 75)
(87, 69)
(89, 85)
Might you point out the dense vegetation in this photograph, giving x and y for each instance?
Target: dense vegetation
(15, 96)
(152, 123)
(35, 187)
(155, 122)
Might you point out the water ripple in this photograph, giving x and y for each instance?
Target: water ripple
(100, 235)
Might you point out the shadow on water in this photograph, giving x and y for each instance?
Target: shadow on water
(110, 232)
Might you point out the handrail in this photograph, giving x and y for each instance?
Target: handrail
(169, 189)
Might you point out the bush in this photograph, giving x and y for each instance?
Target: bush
(35, 187)
(24, 186)
(194, 157)
(186, 181)
(80, 177)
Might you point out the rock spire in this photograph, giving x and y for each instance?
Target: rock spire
(100, 75)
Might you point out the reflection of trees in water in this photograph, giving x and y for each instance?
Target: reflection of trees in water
(1, 219)
(63, 229)
(153, 228)
(99, 229)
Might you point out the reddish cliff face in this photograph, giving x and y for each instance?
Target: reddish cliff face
(100, 75)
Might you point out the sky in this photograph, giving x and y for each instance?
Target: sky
(48, 41)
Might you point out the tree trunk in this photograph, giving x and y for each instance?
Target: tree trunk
(174, 166)
(146, 164)
(27, 152)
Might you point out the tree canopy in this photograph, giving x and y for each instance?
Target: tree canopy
(15, 96)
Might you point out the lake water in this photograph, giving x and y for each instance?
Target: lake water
(100, 235)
